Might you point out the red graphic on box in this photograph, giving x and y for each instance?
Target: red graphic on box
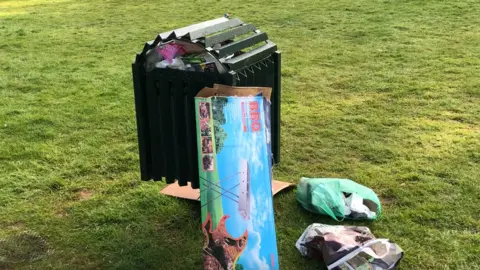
(255, 116)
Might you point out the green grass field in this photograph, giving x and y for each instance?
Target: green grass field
(384, 92)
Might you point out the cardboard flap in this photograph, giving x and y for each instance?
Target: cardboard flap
(188, 193)
(221, 90)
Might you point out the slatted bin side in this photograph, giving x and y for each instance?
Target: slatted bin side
(170, 96)
(141, 114)
(266, 72)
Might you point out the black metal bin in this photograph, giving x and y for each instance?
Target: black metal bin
(164, 97)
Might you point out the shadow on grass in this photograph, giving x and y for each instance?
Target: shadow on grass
(21, 248)
(141, 229)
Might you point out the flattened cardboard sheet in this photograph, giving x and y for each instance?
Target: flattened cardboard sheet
(234, 163)
(188, 193)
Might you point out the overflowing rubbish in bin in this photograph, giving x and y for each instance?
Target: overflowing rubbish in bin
(182, 55)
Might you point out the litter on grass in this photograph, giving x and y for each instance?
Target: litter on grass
(348, 247)
(338, 198)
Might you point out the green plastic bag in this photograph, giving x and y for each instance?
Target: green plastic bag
(329, 196)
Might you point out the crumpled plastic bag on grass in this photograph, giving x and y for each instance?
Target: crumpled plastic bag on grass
(338, 198)
(348, 247)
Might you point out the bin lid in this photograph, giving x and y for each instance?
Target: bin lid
(234, 43)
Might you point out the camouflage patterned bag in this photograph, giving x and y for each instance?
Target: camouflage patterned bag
(348, 247)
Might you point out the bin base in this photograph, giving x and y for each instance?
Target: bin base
(188, 193)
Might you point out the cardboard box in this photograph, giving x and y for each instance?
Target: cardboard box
(235, 178)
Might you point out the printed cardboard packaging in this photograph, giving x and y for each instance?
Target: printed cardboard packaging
(235, 178)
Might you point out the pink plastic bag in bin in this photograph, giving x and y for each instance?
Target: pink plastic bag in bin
(170, 51)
